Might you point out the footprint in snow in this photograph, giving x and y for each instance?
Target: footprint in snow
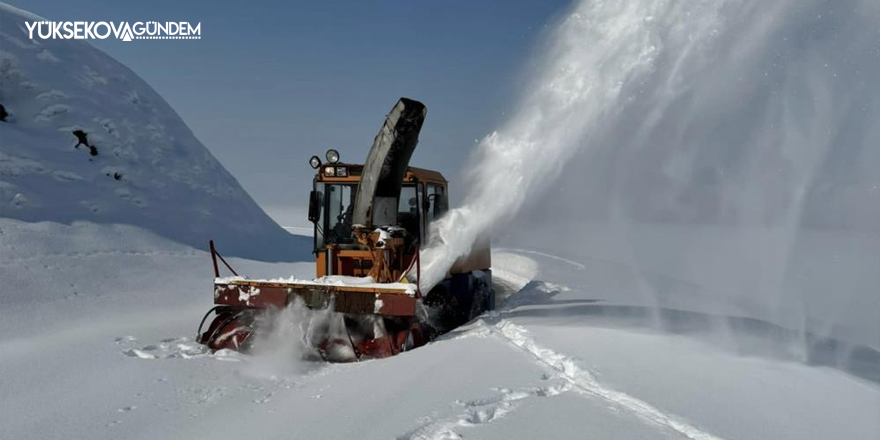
(125, 339)
(174, 348)
(51, 112)
(482, 411)
(264, 399)
(133, 352)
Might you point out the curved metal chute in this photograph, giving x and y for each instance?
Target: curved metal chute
(379, 190)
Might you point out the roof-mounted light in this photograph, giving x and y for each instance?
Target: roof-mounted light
(315, 162)
(332, 156)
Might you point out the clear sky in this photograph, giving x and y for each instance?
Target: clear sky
(273, 82)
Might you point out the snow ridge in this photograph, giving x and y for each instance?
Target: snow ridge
(583, 381)
(85, 139)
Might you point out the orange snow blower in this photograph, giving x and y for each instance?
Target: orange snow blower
(369, 222)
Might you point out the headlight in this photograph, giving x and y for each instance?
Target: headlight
(330, 171)
(332, 156)
(341, 172)
(315, 162)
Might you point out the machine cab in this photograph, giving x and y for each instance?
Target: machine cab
(423, 197)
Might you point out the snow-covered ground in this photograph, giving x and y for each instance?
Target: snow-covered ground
(104, 280)
(134, 162)
(98, 325)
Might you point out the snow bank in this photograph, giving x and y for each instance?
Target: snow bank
(87, 140)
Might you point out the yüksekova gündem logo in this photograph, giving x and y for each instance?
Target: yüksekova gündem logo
(125, 31)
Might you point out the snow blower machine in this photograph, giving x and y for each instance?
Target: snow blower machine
(369, 222)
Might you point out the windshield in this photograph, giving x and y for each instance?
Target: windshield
(408, 213)
(335, 222)
(340, 202)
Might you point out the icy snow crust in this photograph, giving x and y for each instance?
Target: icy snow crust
(143, 166)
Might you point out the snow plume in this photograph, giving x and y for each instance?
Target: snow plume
(730, 144)
(599, 51)
(288, 341)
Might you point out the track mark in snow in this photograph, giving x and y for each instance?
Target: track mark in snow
(174, 348)
(52, 94)
(580, 266)
(133, 352)
(583, 381)
(206, 395)
(480, 411)
(51, 112)
(264, 398)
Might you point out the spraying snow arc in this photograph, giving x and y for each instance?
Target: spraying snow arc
(597, 50)
(756, 119)
(667, 157)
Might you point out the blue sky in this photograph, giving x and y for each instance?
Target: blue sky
(271, 83)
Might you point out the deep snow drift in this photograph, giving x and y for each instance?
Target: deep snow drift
(139, 165)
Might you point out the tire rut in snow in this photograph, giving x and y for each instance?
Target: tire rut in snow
(584, 381)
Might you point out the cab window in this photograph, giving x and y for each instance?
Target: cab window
(339, 203)
(408, 211)
(434, 197)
